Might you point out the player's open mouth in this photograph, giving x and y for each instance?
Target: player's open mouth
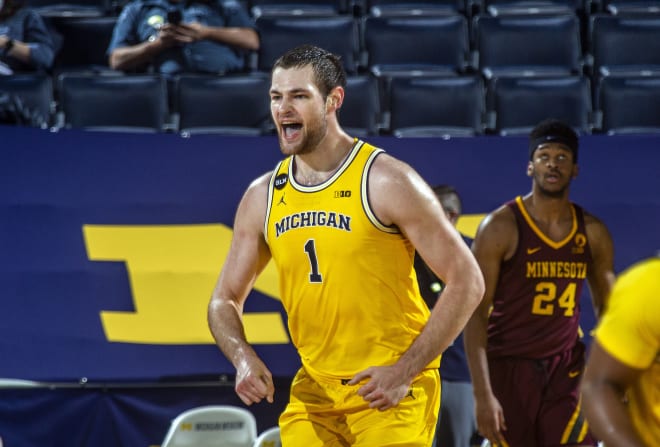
(291, 130)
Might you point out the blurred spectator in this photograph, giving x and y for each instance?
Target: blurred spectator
(25, 43)
(174, 36)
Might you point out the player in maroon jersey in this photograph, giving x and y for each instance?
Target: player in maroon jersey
(523, 346)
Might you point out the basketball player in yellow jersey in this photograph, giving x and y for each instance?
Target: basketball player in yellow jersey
(341, 220)
(625, 360)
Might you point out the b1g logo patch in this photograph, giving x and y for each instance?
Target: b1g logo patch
(281, 181)
(339, 194)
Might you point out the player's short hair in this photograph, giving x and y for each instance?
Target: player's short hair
(328, 69)
(449, 198)
(553, 130)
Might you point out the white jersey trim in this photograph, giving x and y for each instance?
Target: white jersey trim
(364, 189)
(269, 202)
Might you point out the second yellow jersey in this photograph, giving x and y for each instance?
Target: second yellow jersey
(630, 332)
(346, 280)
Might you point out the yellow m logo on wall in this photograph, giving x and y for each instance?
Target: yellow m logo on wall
(172, 270)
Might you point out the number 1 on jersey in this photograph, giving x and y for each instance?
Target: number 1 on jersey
(310, 249)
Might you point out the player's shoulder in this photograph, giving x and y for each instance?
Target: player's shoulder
(258, 188)
(389, 171)
(595, 227)
(500, 219)
(591, 219)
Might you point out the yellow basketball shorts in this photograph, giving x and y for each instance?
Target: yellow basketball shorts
(327, 412)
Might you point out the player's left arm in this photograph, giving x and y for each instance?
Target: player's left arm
(399, 196)
(600, 276)
(603, 389)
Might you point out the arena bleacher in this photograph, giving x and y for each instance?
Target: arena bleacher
(527, 51)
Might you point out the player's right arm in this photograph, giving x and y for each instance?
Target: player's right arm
(247, 257)
(495, 241)
(603, 395)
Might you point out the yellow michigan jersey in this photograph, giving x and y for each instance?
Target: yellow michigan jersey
(630, 332)
(346, 280)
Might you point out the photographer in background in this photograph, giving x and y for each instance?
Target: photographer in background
(175, 36)
(25, 43)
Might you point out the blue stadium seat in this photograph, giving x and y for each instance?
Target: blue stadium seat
(436, 45)
(422, 8)
(629, 7)
(135, 103)
(35, 92)
(528, 45)
(84, 42)
(317, 8)
(516, 105)
(531, 7)
(70, 8)
(336, 34)
(625, 45)
(436, 106)
(629, 104)
(233, 105)
(360, 115)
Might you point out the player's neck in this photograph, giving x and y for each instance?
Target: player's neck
(319, 165)
(548, 209)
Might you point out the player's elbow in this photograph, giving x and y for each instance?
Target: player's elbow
(477, 286)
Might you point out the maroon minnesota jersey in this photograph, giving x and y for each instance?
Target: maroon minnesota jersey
(536, 306)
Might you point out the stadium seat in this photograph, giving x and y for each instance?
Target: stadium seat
(269, 438)
(85, 41)
(360, 113)
(136, 103)
(316, 8)
(521, 7)
(70, 8)
(401, 46)
(212, 426)
(336, 34)
(422, 8)
(629, 104)
(516, 105)
(35, 92)
(235, 105)
(528, 45)
(625, 45)
(630, 7)
(436, 106)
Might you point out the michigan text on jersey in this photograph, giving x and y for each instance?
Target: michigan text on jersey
(313, 219)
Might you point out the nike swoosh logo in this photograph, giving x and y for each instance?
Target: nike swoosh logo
(573, 374)
(531, 251)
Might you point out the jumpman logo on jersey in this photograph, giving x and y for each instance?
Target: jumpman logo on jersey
(282, 202)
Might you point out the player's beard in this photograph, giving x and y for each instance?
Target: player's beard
(315, 131)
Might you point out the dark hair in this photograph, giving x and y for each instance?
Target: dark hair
(449, 198)
(553, 130)
(328, 70)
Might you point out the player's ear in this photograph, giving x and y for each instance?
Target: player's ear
(530, 168)
(335, 99)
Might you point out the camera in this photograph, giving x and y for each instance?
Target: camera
(174, 16)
